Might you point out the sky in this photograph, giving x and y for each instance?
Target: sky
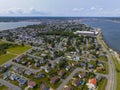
(91, 8)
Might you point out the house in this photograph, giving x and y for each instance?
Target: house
(74, 63)
(17, 60)
(90, 66)
(44, 87)
(28, 72)
(14, 77)
(100, 64)
(22, 81)
(100, 68)
(7, 66)
(82, 75)
(77, 58)
(6, 75)
(98, 78)
(67, 68)
(82, 64)
(62, 73)
(68, 88)
(14, 68)
(92, 84)
(69, 57)
(37, 64)
(47, 69)
(76, 82)
(53, 65)
(31, 84)
(21, 70)
(54, 80)
(41, 75)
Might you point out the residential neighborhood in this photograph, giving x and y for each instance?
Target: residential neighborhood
(59, 58)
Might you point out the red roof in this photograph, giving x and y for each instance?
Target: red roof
(31, 83)
(93, 81)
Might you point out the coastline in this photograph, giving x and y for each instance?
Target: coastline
(14, 25)
(114, 52)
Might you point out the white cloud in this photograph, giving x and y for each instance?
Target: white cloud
(77, 9)
(93, 8)
(20, 11)
(34, 11)
(15, 11)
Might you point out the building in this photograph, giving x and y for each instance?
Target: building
(62, 73)
(54, 80)
(76, 82)
(68, 88)
(31, 84)
(44, 87)
(91, 33)
(92, 83)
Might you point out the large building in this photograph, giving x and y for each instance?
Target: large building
(93, 33)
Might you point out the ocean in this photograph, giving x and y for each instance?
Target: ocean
(109, 26)
(110, 30)
(12, 25)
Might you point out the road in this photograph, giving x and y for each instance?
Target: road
(111, 85)
(72, 74)
(34, 70)
(16, 57)
(9, 85)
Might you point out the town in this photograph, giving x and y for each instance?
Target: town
(60, 55)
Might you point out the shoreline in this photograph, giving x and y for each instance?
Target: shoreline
(115, 52)
(16, 27)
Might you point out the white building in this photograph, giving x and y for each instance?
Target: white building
(86, 32)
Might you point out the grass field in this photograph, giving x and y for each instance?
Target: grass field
(18, 49)
(117, 72)
(3, 87)
(102, 84)
(4, 58)
(13, 52)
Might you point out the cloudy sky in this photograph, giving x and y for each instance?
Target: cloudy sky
(59, 7)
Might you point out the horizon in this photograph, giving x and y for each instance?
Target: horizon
(60, 8)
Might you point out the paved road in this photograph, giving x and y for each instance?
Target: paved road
(9, 85)
(72, 74)
(16, 57)
(111, 85)
(34, 70)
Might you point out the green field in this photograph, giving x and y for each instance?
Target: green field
(117, 72)
(12, 52)
(4, 58)
(3, 87)
(18, 49)
(102, 84)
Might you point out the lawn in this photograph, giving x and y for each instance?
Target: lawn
(3, 87)
(117, 72)
(18, 49)
(13, 52)
(102, 84)
(2, 42)
(5, 57)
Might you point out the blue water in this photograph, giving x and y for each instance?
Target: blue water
(11, 25)
(110, 29)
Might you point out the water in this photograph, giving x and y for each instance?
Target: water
(110, 29)
(11, 25)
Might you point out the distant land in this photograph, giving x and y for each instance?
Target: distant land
(17, 19)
